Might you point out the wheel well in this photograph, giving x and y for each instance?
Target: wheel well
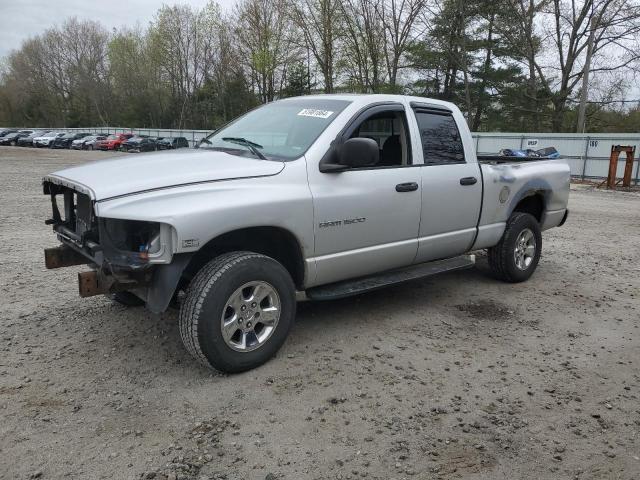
(274, 242)
(532, 204)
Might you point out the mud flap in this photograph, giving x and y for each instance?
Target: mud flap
(165, 281)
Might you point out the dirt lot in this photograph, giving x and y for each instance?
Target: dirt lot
(458, 376)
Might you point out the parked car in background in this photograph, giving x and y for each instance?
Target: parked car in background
(139, 144)
(113, 141)
(124, 146)
(85, 142)
(169, 143)
(7, 131)
(91, 142)
(28, 140)
(47, 139)
(65, 140)
(12, 138)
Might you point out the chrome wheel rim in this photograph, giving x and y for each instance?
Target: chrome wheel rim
(250, 316)
(525, 249)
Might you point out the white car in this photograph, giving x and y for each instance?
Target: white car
(46, 140)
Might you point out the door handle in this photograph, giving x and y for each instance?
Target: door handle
(468, 181)
(407, 187)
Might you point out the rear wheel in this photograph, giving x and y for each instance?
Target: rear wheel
(516, 256)
(238, 311)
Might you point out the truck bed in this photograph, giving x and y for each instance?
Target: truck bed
(510, 159)
(508, 180)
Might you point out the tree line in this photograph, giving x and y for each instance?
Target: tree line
(510, 65)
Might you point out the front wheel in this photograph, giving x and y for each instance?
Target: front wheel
(516, 256)
(238, 311)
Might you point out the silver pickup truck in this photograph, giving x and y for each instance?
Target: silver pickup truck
(319, 196)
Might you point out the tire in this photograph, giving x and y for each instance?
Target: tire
(234, 278)
(127, 299)
(510, 265)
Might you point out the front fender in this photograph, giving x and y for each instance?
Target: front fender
(198, 213)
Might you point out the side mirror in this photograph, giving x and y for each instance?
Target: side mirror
(354, 153)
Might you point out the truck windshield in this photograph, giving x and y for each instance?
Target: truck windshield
(281, 130)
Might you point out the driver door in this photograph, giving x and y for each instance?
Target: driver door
(367, 218)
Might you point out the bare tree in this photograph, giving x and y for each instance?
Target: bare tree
(319, 21)
(399, 19)
(264, 36)
(525, 61)
(182, 43)
(364, 43)
(607, 29)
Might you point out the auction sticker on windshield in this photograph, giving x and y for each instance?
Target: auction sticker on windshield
(312, 112)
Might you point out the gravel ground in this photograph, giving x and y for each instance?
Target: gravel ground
(457, 376)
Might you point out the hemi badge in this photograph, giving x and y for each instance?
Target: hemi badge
(190, 243)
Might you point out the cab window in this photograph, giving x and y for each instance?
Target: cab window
(440, 138)
(389, 130)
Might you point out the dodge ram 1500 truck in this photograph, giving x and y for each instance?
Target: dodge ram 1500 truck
(327, 195)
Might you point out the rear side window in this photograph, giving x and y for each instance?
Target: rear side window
(441, 142)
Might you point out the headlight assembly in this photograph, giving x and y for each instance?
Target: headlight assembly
(135, 243)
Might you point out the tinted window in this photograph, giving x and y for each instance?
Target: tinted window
(441, 142)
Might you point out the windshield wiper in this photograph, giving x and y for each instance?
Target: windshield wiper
(247, 143)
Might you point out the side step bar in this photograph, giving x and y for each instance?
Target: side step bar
(373, 282)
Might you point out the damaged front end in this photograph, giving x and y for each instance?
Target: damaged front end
(124, 255)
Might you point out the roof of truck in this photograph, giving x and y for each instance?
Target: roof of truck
(364, 98)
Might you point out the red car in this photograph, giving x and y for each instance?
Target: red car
(113, 142)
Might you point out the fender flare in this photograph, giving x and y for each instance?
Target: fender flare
(164, 282)
(529, 189)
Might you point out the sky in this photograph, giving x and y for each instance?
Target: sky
(21, 19)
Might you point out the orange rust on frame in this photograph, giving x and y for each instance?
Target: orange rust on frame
(62, 256)
(89, 286)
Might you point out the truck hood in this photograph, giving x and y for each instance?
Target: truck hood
(128, 175)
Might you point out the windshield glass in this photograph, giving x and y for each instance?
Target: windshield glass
(113, 137)
(282, 130)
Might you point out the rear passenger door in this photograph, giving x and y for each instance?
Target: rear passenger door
(451, 187)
